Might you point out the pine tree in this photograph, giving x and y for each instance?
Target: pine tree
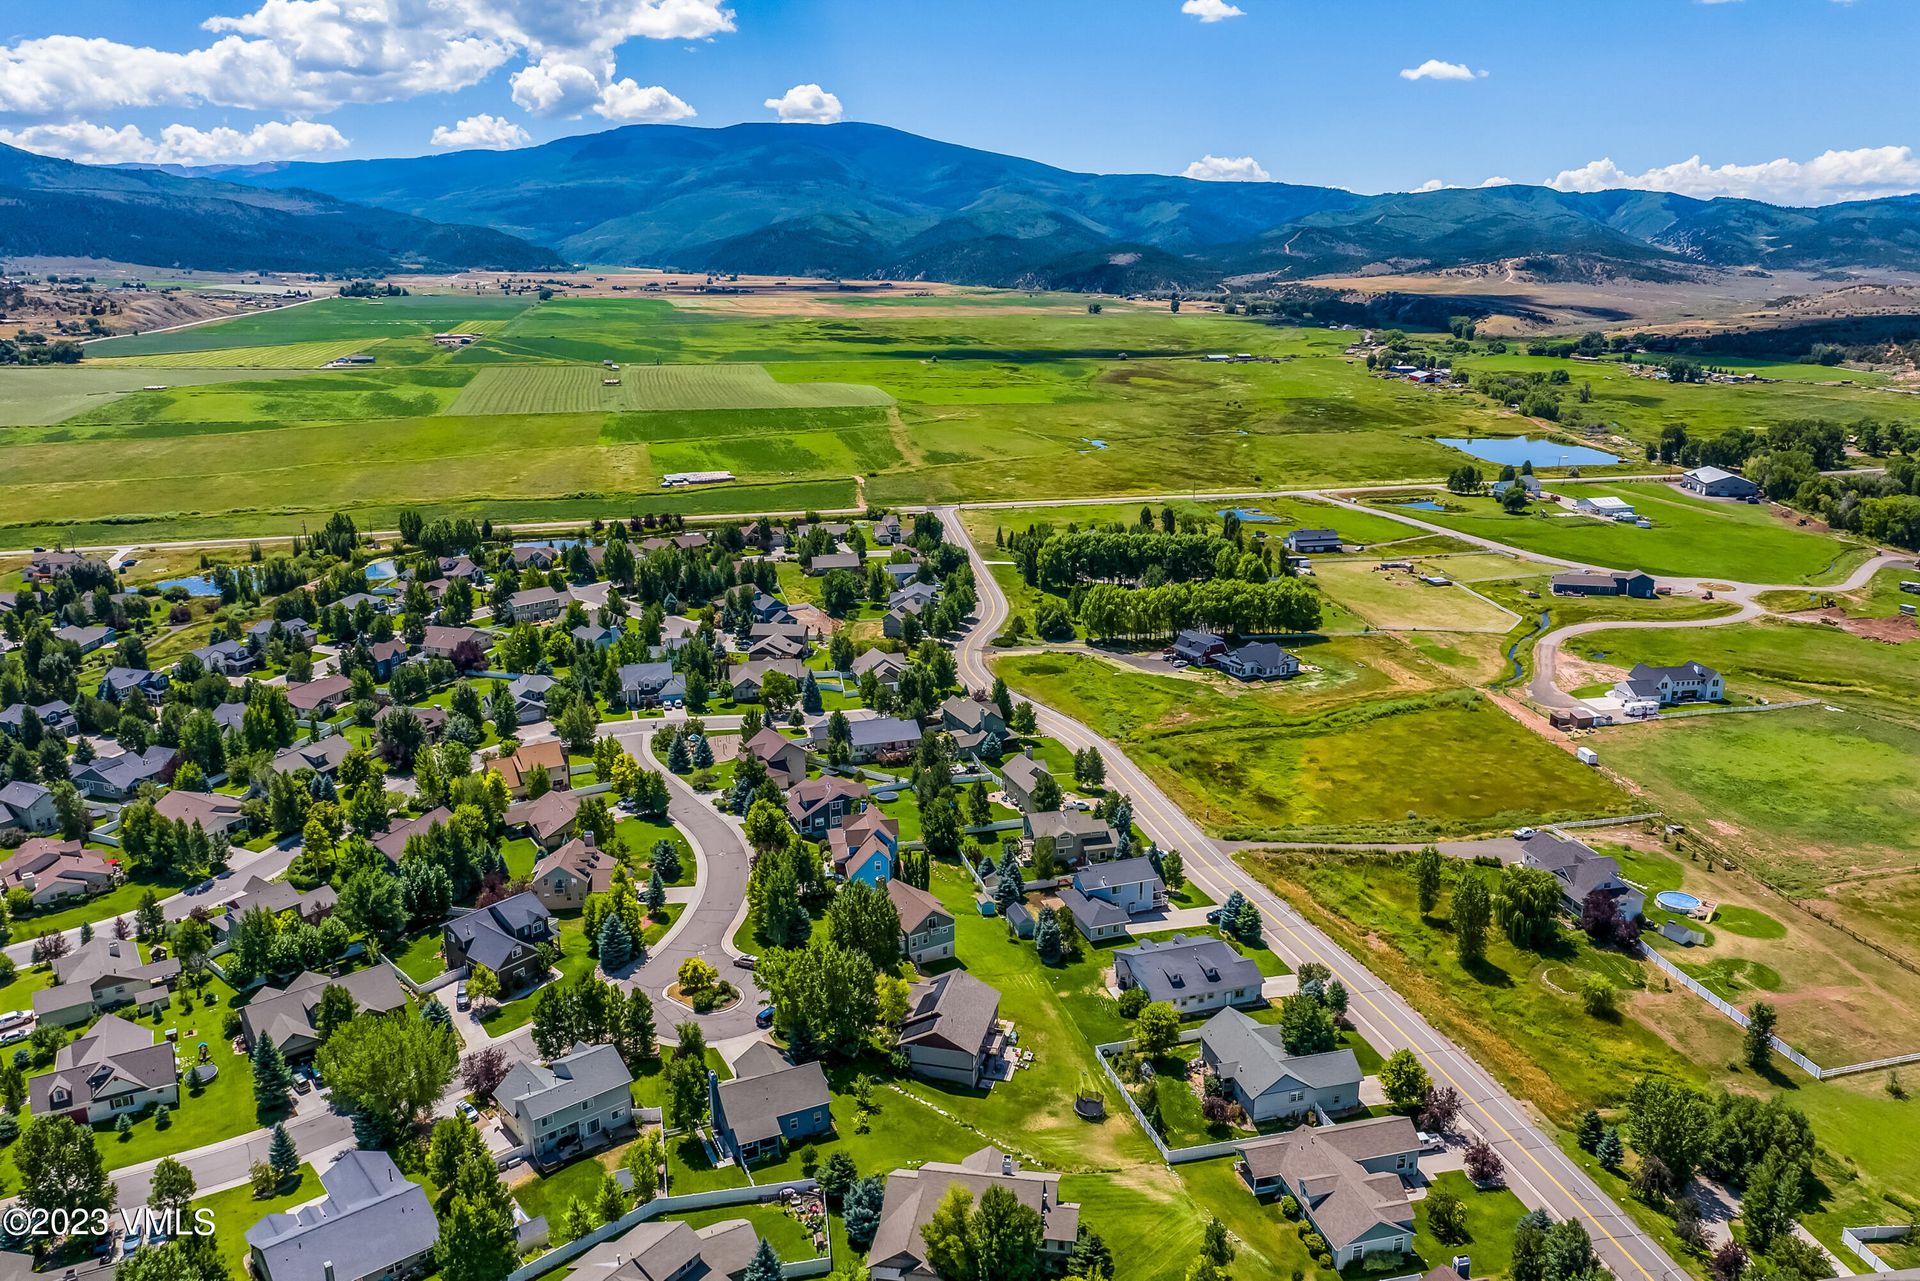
(1046, 939)
(616, 943)
(666, 860)
(765, 1265)
(271, 1077)
(282, 1155)
(679, 760)
(1591, 1128)
(1609, 1150)
(702, 753)
(656, 892)
(436, 1013)
(864, 1199)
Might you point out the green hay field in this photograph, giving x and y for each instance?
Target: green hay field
(671, 387)
(40, 396)
(533, 389)
(1397, 601)
(293, 355)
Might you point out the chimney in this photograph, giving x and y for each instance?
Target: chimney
(326, 1270)
(1027, 751)
(588, 839)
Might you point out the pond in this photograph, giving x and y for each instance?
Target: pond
(382, 569)
(1248, 515)
(1511, 451)
(1423, 505)
(195, 584)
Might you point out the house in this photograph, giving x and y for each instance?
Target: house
(952, 1030)
(47, 566)
(595, 636)
(876, 738)
(1198, 648)
(114, 1070)
(540, 556)
(893, 625)
(899, 1251)
(864, 847)
(297, 632)
(87, 638)
(645, 685)
(378, 604)
(536, 604)
(784, 757)
(1308, 542)
(290, 1016)
(211, 810)
(445, 642)
(384, 656)
(767, 609)
(887, 531)
(102, 975)
(48, 870)
(1583, 582)
(1530, 486)
(374, 1224)
(1019, 777)
(117, 778)
(746, 679)
(768, 1104)
(672, 1250)
(818, 805)
(1258, 661)
(798, 633)
(548, 818)
(827, 562)
(1194, 975)
(393, 841)
(914, 596)
(505, 937)
(27, 807)
(317, 699)
(1350, 1180)
(1077, 836)
(226, 658)
(776, 646)
(571, 1105)
(902, 572)
(529, 694)
(122, 681)
(277, 898)
(517, 769)
(323, 757)
(1266, 1081)
(963, 715)
(1713, 482)
(1605, 505)
(926, 928)
(57, 714)
(887, 668)
(1666, 686)
(1581, 871)
(1130, 884)
(563, 877)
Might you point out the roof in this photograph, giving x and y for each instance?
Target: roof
(1091, 913)
(1322, 1165)
(393, 841)
(114, 1056)
(311, 694)
(1313, 536)
(450, 638)
(1120, 871)
(128, 770)
(1079, 824)
(579, 1077)
(913, 1195)
(284, 1015)
(48, 859)
(551, 753)
(875, 660)
(755, 1104)
(372, 1218)
(770, 743)
(915, 906)
(581, 859)
(488, 934)
(1254, 1055)
(324, 755)
(1023, 772)
(1710, 475)
(645, 676)
(955, 1010)
(1181, 966)
(1681, 672)
(670, 1249)
(755, 672)
(1607, 502)
(204, 808)
(547, 815)
(805, 797)
(1261, 654)
(879, 731)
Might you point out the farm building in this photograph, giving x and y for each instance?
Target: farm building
(1713, 482)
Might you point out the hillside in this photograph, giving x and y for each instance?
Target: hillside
(56, 208)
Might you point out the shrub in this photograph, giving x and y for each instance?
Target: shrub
(1132, 1001)
(1315, 1243)
(1289, 1207)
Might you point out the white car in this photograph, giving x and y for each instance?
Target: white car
(1524, 833)
(468, 1111)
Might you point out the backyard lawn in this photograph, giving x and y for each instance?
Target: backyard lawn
(1488, 1240)
(237, 1209)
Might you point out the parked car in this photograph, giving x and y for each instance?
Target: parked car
(745, 962)
(1524, 833)
(1431, 1142)
(302, 1084)
(764, 1018)
(1217, 915)
(460, 999)
(467, 1110)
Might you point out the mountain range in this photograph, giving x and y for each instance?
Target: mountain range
(859, 200)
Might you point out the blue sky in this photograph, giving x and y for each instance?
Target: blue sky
(1791, 100)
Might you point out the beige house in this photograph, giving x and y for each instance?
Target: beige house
(100, 976)
(50, 870)
(115, 1070)
(563, 878)
(926, 928)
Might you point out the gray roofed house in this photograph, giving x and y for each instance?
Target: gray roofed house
(530, 696)
(505, 937)
(1582, 870)
(213, 811)
(102, 975)
(374, 1223)
(56, 714)
(27, 807)
(276, 898)
(537, 603)
(770, 1105)
(874, 737)
(926, 927)
(114, 1069)
(1529, 485)
(116, 778)
(122, 681)
(576, 1103)
(1258, 661)
(672, 1250)
(970, 715)
(919, 595)
(1716, 482)
(899, 1251)
(745, 680)
(287, 1016)
(87, 638)
(827, 562)
(226, 658)
(1349, 1179)
(1193, 975)
(651, 685)
(294, 629)
(1602, 582)
(1078, 837)
(1018, 777)
(323, 757)
(952, 1029)
(1308, 541)
(1682, 683)
(1267, 1082)
(887, 668)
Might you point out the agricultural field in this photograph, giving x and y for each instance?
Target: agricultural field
(293, 355)
(361, 320)
(35, 397)
(532, 389)
(1396, 600)
(667, 387)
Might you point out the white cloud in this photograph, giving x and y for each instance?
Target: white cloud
(806, 104)
(177, 144)
(625, 102)
(1211, 10)
(1436, 184)
(1864, 173)
(1434, 69)
(1431, 184)
(555, 87)
(1212, 168)
(481, 132)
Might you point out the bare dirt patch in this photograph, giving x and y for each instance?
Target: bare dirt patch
(1889, 631)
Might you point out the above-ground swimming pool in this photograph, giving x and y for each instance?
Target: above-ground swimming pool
(1677, 901)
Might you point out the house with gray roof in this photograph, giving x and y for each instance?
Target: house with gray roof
(952, 1030)
(297, 632)
(1267, 1082)
(57, 714)
(1716, 482)
(505, 937)
(1077, 836)
(114, 1070)
(672, 1250)
(827, 562)
(1350, 1180)
(886, 668)
(226, 658)
(899, 1251)
(289, 1016)
(374, 1224)
(1105, 897)
(746, 679)
(1582, 870)
(644, 685)
(1194, 975)
(768, 1105)
(1018, 777)
(1666, 686)
(117, 778)
(530, 696)
(1307, 542)
(119, 682)
(323, 757)
(1602, 582)
(1258, 661)
(27, 807)
(87, 638)
(536, 604)
(926, 927)
(574, 1104)
(101, 975)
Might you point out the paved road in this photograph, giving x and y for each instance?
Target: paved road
(1538, 1171)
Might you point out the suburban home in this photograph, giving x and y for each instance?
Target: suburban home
(226, 658)
(1267, 1082)
(47, 566)
(393, 841)
(1129, 884)
(676, 630)
(506, 937)
(648, 685)
(87, 638)
(886, 668)
(323, 757)
(57, 714)
(1258, 661)
(899, 1251)
(1308, 542)
(517, 769)
(902, 572)
(378, 604)
(926, 927)
(213, 811)
(1350, 1180)
(117, 778)
(1595, 582)
(49, 870)
(27, 807)
(114, 1070)
(874, 738)
(768, 1104)
(384, 656)
(672, 1250)
(915, 596)
(1077, 836)
(297, 632)
(537, 604)
(529, 695)
(564, 877)
(276, 898)
(289, 1016)
(459, 567)
(1605, 505)
(1530, 486)
(964, 715)
(103, 975)
(445, 642)
(746, 679)
(819, 805)
(894, 624)
(1714, 482)
(122, 681)
(317, 699)
(540, 556)
(1665, 686)
(767, 609)
(1581, 871)
(572, 1105)
(864, 847)
(596, 636)
(785, 758)
(887, 531)
(547, 819)
(764, 647)
(1018, 778)
(1198, 648)
(374, 1224)
(827, 562)
(952, 1030)
(1193, 975)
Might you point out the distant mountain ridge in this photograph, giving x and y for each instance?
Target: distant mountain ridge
(56, 208)
(860, 200)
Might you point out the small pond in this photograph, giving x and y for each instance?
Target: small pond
(1511, 451)
(1423, 505)
(1248, 515)
(196, 585)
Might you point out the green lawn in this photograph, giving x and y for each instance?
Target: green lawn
(237, 1209)
(574, 962)
(1491, 1218)
(419, 957)
(121, 900)
(550, 1194)
(18, 995)
(786, 1234)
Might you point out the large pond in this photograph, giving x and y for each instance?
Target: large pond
(196, 585)
(1511, 451)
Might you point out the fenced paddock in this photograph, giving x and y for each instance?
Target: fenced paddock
(669, 387)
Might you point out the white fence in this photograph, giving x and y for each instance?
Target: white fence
(557, 1258)
(1855, 1239)
(1172, 1156)
(1727, 1008)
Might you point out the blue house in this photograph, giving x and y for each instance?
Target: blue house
(865, 847)
(768, 1104)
